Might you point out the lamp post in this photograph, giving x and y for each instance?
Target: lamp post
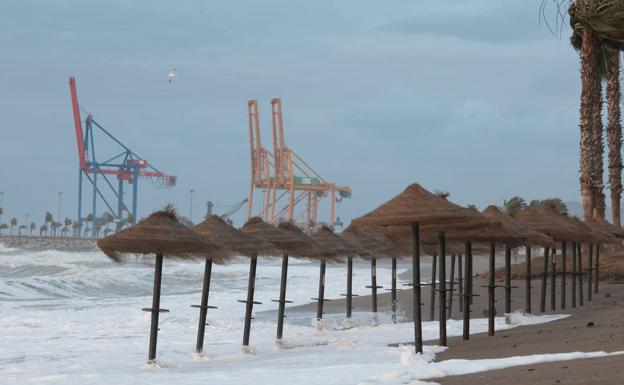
(191, 208)
(1, 205)
(58, 218)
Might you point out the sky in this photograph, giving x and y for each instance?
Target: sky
(479, 98)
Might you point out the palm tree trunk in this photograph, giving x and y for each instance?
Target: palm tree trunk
(614, 135)
(589, 75)
(598, 142)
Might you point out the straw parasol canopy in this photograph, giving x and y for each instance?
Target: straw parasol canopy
(582, 232)
(160, 233)
(595, 233)
(313, 249)
(217, 231)
(372, 240)
(287, 242)
(401, 238)
(604, 226)
(417, 205)
(512, 231)
(553, 226)
(339, 246)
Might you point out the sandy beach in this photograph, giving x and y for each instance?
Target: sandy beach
(596, 326)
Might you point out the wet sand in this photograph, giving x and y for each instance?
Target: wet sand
(575, 333)
(596, 326)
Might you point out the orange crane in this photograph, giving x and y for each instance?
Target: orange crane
(285, 178)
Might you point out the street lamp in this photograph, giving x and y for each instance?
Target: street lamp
(1, 205)
(191, 210)
(58, 218)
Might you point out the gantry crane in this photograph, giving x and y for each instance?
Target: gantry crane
(284, 177)
(126, 166)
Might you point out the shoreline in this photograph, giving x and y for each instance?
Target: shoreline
(596, 326)
(39, 243)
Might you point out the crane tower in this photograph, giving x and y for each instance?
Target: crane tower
(292, 188)
(124, 165)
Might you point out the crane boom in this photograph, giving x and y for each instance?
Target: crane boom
(126, 166)
(77, 123)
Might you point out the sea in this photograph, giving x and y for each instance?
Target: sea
(76, 318)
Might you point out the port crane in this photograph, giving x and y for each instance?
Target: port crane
(124, 165)
(292, 188)
(232, 209)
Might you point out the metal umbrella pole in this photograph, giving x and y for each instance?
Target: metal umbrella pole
(249, 302)
(467, 290)
(574, 273)
(442, 290)
(564, 273)
(434, 263)
(451, 287)
(282, 299)
(580, 273)
(155, 309)
(203, 306)
(416, 288)
(527, 281)
(544, 282)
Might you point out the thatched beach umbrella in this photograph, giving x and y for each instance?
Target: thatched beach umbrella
(584, 233)
(285, 243)
(340, 247)
(315, 251)
(414, 207)
(401, 239)
(594, 236)
(530, 238)
(560, 231)
(218, 232)
(374, 243)
(602, 225)
(163, 235)
(506, 233)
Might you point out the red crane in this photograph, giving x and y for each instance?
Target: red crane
(124, 164)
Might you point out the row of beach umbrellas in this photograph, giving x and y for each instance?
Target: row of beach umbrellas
(413, 222)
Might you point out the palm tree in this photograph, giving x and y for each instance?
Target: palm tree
(599, 35)
(554, 202)
(33, 226)
(107, 218)
(54, 227)
(13, 223)
(67, 223)
(614, 134)
(514, 205)
(589, 76)
(76, 229)
(48, 217)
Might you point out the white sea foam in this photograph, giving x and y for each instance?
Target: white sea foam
(75, 318)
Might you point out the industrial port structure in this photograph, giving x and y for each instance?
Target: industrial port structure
(124, 165)
(292, 188)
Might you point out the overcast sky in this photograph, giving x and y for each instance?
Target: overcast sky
(471, 97)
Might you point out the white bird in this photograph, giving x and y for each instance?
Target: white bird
(172, 74)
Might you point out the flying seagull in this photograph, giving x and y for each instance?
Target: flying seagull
(172, 74)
